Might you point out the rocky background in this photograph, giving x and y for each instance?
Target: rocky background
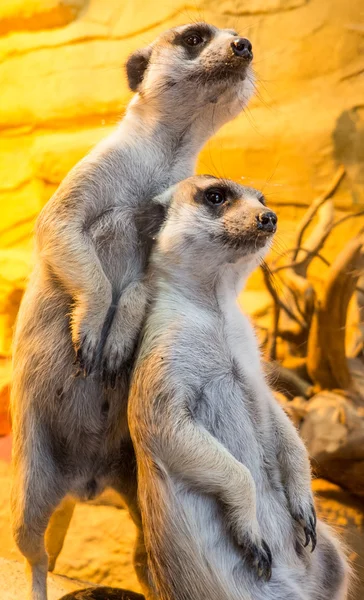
(62, 88)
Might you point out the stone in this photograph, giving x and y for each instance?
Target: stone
(19, 209)
(68, 91)
(63, 88)
(37, 14)
(13, 582)
(15, 165)
(257, 7)
(54, 154)
(333, 430)
(348, 139)
(5, 384)
(103, 593)
(296, 409)
(13, 277)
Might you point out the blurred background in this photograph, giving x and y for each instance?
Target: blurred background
(301, 140)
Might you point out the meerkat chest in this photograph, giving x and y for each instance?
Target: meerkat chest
(238, 332)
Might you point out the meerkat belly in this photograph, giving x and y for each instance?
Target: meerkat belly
(227, 409)
(209, 536)
(82, 425)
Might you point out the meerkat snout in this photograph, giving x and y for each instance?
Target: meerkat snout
(243, 48)
(267, 221)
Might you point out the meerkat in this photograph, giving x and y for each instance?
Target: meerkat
(87, 294)
(224, 479)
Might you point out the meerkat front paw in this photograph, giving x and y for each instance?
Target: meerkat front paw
(304, 513)
(123, 334)
(257, 553)
(86, 353)
(87, 327)
(115, 353)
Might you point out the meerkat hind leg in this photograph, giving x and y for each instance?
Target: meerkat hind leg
(35, 495)
(57, 530)
(29, 531)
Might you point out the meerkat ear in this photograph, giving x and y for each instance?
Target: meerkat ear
(165, 198)
(136, 65)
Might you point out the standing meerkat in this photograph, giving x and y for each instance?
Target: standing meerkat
(224, 480)
(87, 294)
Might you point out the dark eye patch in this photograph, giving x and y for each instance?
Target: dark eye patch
(193, 39)
(216, 198)
(261, 199)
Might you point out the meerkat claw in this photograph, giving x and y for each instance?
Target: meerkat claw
(310, 534)
(85, 358)
(109, 377)
(309, 526)
(263, 562)
(112, 366)
(260, 558)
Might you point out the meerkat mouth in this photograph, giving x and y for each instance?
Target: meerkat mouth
(224, 73)
(250, 242)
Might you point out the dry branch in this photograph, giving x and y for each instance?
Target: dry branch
(316, 239)
(315, 328)
(292, 264)
(326, 361)
(315, 206)
(275, 296)
(287, 382)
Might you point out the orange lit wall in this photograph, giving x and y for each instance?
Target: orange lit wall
(62, 88)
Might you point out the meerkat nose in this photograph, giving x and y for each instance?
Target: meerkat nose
(243, 48)
(267, 221)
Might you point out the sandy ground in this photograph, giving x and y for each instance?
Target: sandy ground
(99, 543)
(98, 546)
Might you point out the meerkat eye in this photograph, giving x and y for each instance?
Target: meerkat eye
(261, 199)
(215, 197)
(193, 39)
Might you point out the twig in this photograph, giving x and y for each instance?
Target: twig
(295, 297)
(272, 339)
(274, 269)
(316, 204)
(347, 217)
(292, 265)
(326, 359)
(287, 382)
(276, 298)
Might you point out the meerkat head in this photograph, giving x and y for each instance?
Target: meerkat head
(212, 222)
(191, 66)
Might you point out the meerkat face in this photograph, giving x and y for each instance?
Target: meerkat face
(217, 218)
(192, 64)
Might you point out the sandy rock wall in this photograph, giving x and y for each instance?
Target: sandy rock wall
(63, 88)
